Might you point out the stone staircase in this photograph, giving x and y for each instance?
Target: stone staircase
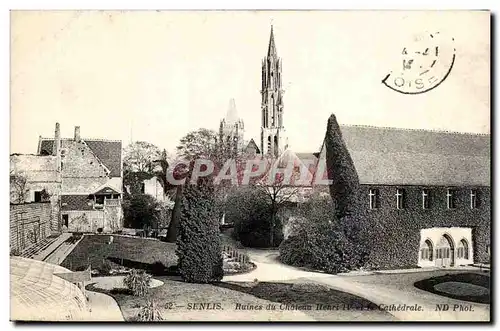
(38, 247)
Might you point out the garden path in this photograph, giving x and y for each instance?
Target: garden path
(103, 308)
(382, 288)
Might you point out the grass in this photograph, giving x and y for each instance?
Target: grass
(94, 249)
(179, 301)
(477, 279)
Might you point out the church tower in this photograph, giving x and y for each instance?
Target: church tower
(273, 141)
(231, 131)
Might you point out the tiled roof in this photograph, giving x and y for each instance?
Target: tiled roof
(109, 152)
(75, 202)
(394, 156)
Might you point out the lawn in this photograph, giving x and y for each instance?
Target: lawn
(473, 287)
(179, 301)
(128, 251)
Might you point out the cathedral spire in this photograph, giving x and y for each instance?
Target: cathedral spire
(232, 113)
(271, 51)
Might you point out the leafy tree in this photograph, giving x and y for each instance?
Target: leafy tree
(161, 173)
(141, 211)
(201, 143)
(198, 241)
(140, 156)
(345, 191)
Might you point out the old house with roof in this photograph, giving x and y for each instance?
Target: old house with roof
(91, 181)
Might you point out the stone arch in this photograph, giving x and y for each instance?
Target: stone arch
(445, 250)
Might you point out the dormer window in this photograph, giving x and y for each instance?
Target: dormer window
(473, 199)
(400, 197)
(373, 196)
(450, 199)
(425, 199)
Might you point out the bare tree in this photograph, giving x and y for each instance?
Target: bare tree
(281, 190)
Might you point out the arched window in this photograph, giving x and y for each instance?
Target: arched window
(426, 250)
(463, 250)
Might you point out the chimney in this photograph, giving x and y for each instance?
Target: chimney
(57, 141)
(77, 134)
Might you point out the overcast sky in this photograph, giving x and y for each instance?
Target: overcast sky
(155, 76)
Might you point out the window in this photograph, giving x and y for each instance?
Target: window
(473, 199)
(400, 199)
(38, 196)
(425, 199)
(374, 198)
(450, 199)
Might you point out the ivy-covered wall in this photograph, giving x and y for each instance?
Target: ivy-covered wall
(397, 231)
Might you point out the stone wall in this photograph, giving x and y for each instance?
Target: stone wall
(110, 219)
(79, 161)
(398, 230)
(29, 224)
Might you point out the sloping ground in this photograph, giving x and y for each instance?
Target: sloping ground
(132, 252)
(385, 289)
(179, 301)
(37, 294)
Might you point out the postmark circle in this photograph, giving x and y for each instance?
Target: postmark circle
(425, 64)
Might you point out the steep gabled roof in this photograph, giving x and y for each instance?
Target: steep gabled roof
(109, 152)
(252, 144)
(392, 156)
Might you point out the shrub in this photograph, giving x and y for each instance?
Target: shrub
(149, 313)
(198, 240)
(320, 247)
(99, 230)
(137, 281)
(158, 268)
(250, 211)
(105, 267)
(319, 241)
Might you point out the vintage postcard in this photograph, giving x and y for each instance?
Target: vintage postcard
(250, 166)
